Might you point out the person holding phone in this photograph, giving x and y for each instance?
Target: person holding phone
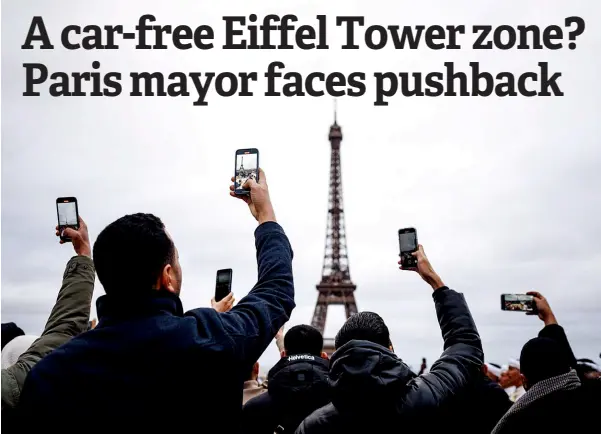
(69, 316)
(151, 366)
(373, 390)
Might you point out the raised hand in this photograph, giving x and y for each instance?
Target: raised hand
(224, 304)
(79, 238)
(424, 269)
(258, 200)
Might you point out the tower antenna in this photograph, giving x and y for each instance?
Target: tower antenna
(335, 111)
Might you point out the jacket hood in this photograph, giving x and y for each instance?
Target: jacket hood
(298, 385)
(367, 377)
(299, 376)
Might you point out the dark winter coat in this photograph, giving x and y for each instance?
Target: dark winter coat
(298, 385)
(147, 366)
(374, 391)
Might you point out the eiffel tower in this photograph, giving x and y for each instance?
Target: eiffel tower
(336, 286)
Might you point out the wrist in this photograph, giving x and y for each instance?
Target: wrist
(84, 251)
(550, 320)
(264, 217)
(434, 281)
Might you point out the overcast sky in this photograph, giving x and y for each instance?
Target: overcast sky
(504, 193)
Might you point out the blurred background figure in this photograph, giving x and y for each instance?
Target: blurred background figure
(513, 381)
(424, 367)
(587, 369)
(251, 387)
(10, 331)
(493, 371)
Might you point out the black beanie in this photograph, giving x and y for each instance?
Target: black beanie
(10, 331)
(543, 358)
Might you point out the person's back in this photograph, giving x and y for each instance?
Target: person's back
(148, 366)
(297, 385)
(559, 412)
(475, 410)
(373, 390)
(554, 401)
(139, 371)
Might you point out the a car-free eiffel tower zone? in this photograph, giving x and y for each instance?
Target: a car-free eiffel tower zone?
(336, 286)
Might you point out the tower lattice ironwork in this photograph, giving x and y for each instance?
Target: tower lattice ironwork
(336, 286)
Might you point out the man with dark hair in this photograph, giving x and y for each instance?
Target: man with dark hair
(364, 326)
(374, 391)
(297, 385)
(303, 339)
(149, 365)
(150, 257)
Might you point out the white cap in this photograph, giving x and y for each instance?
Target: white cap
(514, 363)
(13, 350)
(493, 370)
(591, 365)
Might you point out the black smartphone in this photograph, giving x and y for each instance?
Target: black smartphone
(223, 286)
(518, 303)
(247, 167)
(408, 245)
(68, 215)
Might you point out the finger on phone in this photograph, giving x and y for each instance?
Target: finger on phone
(233, 179)
(232, 188)
(535, 294)
(262, 178)
(70, 233)
(249, 184)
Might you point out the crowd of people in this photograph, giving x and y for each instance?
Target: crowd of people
(148, 366)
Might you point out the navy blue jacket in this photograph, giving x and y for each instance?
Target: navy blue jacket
(147, 366)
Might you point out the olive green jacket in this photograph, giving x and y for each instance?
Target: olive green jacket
(68, 318)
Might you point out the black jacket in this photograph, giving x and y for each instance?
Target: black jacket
(297, 385)
(148, 367)
(562, 411)
(475, 410)
(374, 391)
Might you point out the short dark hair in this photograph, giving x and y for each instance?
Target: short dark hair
(365, 326)
(543, 358)
(303, 339)
(130, 253)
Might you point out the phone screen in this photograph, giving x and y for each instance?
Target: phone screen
(247, 167)
(518, 302)
(408, 241)
(67, 214)
(224, 284)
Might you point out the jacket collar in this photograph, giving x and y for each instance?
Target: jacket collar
(154, 303)
(299, 359)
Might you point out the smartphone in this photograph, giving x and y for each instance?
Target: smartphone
(518, 302)
(247, 167)
(223, 286)
(68, 215)
(408, 245)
